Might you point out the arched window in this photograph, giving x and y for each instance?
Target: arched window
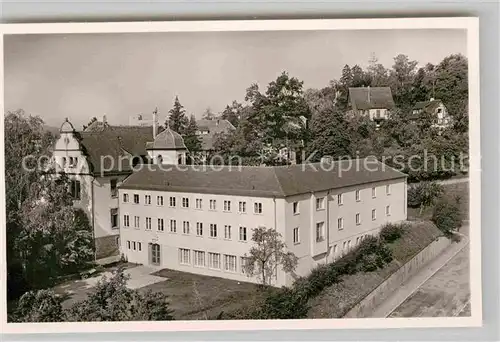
(64, 161)
(70, 161)
(180, 159)
(160, 159)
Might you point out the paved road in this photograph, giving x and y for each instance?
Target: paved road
(445, 294)
(453, 181)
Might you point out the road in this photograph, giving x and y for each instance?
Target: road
(445, 294)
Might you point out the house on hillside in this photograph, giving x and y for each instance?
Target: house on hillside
(208, 129)
(372, 102)
(201, 221)
(97, 160)
(432, 107)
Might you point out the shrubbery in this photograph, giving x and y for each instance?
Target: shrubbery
(447, 216)
(423, 194)
(391, 232)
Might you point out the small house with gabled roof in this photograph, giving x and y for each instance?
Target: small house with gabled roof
(372, 102)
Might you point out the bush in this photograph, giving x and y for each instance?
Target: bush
(283, 303)
(447, 217)
(391, 232)
(423, 194)
(39, 306)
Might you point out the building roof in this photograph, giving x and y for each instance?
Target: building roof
(280, 181)
(427, 105)
(167, 140)
(371, 98)
(213, 127)
(66, 127)
(106, 143)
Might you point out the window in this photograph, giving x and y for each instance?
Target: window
(172, 201)
(133, 245)
(75, 189)
(128, 244)
(75, 164)
(230, 263)
(227, 205)
(160, 159)
(344, 245)
(70, 161)
(213, 230)
(357, 241)
(199, 228)
(114, 218)
(388, 189)
(139, 246)
(358, 196)
(358, 219)
(374, 214)
(199, 203)
(184, 256)
(114, 190)
(185, 202)
(349, 245)
(257, 208)
(243, 263)
(64, 161)
(160, 225)
(125, 198)
(227, 232)
(136, 198)
(213, 205)
(173, 226)
(243, 233)
(340, 199)
(136, 222)
(159, 200)
(374, 192)
(242, 207)
(295, 206)
(214, 260)
(320, 203)
(319, 231)
(296, 238)
(126, 221)
(199, 258)
(388, 210)
(155, 254)
(185, 227)
(334, 252)
(340, 223)
(148, 223)
(147, 199)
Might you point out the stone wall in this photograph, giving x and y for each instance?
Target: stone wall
(368, 304)
(107, 246)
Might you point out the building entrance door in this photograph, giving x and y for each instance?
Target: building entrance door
(155, 254)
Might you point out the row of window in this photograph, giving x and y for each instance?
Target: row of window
(211, 260)
(320, 226)
(134, 245)
(186, 227)
(320, 201)
(346, 246)
(70, 162)
(227, 206)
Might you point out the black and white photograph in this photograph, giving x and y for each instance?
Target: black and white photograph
(277, 174)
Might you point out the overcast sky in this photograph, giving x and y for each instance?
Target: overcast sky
(85, 75)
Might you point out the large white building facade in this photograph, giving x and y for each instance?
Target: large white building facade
(201, 221)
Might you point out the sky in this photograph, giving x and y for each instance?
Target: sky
(79, 76)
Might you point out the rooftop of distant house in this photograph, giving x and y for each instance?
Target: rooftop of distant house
(363, 98)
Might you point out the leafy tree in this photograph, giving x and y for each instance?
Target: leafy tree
(451, 82)
(191, 138)
(424, 194)
(359, 77)
(378, 74)
(447, 216)
(39, 306)
(330, 136)
(233, 113)
(177, 120)
(402, 74)
(267, 254)
(112, 300)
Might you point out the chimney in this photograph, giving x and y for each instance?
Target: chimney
(154, 122)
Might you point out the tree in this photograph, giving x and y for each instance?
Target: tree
(94, 119)
(378, 74)
(359, 77)
(232, 113)
(451, 82)
(401, 79)
(424, 194)
(192, 139)
(208, 114)
(177, 120)
(112, 300)
(268, 254)
(39, 306)
(447, 217)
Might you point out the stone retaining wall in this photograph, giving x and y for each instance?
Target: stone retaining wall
(368, 304)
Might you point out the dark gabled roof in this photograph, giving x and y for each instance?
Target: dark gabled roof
(106, 143)
(281, 181)
(427, 105)
(213, 126)
(371, 98)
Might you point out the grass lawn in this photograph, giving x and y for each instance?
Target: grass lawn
(336, 300)
(451, 191)
(192, 296)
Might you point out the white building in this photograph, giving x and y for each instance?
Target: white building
(372, 102)
(201, 221)
(435, 108)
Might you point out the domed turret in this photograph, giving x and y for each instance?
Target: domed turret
(67, 127)
(167, 148)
